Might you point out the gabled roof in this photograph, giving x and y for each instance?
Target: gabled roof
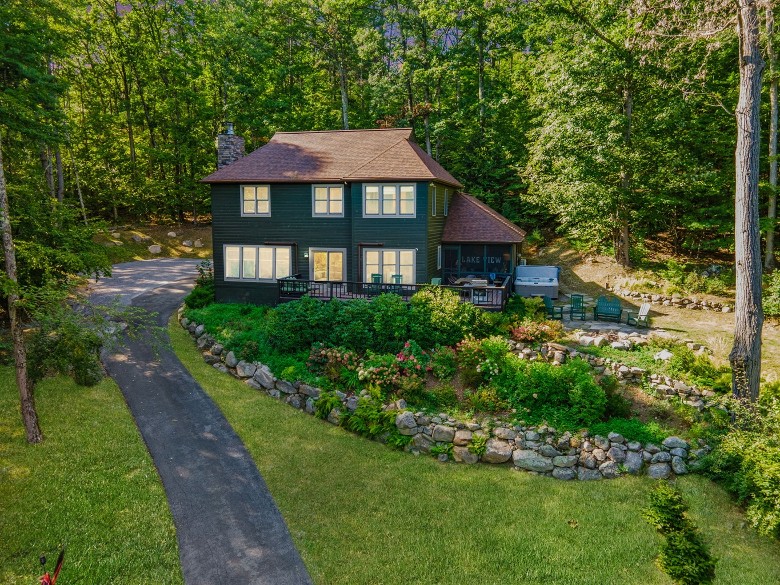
(470, 220)
(336, 155)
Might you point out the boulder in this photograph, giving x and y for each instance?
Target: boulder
(531, 436)
(231, 360)
(609, 470)
(675, 443)
(659, 470)
(198, 244)
(311, 391)
(634, 462)
(661, 457)
(187, 243)
(548, 451)
(285, 386)
(199, 330)
(116, 235)
(245, 369)
(462, 438)
(155, 249)
(443, 434)
(217, 349)
(616, 438)
(406, 423)
(295, 400)
(584, 474)
(616, 454)
(463, 455)
(679, 466)
(565, 461)
(422, 443)
(564, 473)
(264, 377)
(334, 417)
(497, 451)
(504, 433)
(601, 442)
(531, 460)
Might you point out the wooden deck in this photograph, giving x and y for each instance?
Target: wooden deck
(490, 298)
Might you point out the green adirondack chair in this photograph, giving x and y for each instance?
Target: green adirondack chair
(553, 312)
(577, 307)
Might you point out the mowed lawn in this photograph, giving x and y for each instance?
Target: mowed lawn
(90, 487)
(362, 513)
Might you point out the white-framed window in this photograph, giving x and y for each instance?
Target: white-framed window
(446, 201)
(380, 200)
(256, 200)
(260, 263)
(434, 196)
(438, 257)
(328, 264)
(327, 201)
(389, 263)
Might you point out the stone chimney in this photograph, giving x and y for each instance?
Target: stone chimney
(230, 147)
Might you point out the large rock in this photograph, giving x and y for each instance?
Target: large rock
(601, 442)
(633, 462)
(199, 330)
(531, 436)
(616, 454)
(659, 470)
(679, 466)
(564, 473)
(406, 423)
(231, 360)
(422, 443)
(504, 433)
(463, 455)
(155, 249)
(661, 457)
(245, 369)
(497, 451)
(171, 234)
(217, 349)
(565, 461)
(443, 434)
(264, 377)
(616, 438)
(531, 460)
(198, 244)
(334, 417)
(584, 474)
(311, 391)
(548, 451)
(285, 386)
(462, 438)
(609, 470)
(675, 443)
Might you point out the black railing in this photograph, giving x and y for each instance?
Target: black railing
(491, 298)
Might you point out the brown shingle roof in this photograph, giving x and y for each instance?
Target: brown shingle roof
(470, 220)
(336, 155)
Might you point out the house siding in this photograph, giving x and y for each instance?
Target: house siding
(435, 228)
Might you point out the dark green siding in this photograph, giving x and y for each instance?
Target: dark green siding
(435, 226)
(291, 221)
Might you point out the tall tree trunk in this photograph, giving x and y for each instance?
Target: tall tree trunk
(769, 259)
(481, 76)
(622, 251)
(344, 97)
(26, 398)
(745, 356)
(78, 187)
(60, 175)
(47, 170)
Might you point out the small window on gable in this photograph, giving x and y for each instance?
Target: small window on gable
(256, 200)
(328, 201)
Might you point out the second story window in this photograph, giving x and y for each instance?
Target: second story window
(328, 201)
(255, 200)
(388, 201)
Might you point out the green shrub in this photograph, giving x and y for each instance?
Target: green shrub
(369, 419)
(747, 462)
(478, 444)
(538, 331)
(618, 406)
(351, 325)
(485, 399)
(444, 396)
(390, 323)
(325, 404)
(684, 555)
(632, 429)
(438, 317)
(298, 324)
(203, 293)
(381, 370)
(444, 363)
(771, 294)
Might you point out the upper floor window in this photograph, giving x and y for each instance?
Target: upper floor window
(328, 201)
(256, 200)
(388, 201)
(257, 262)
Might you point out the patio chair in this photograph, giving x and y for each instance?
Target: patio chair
(375, 288)
(642, 318)
(577, 307)
(553, 312)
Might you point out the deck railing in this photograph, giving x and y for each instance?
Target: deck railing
(491, 298)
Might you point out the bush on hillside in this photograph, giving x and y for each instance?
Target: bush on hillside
(772, 294)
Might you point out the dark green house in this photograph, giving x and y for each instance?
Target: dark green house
(347, 213)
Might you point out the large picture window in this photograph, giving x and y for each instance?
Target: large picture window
(328, 201)
(256, 200)
(327, 264)
(389, 263)
(389, 201)
(257, 262)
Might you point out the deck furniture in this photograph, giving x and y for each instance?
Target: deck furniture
(608, 309)
(531, 281)
(577, 307)
(553, 312)
(640, 318)
(436, 281)
(292, 287)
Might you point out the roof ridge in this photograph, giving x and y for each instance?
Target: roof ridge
(368, 162)
(349, 130)
(484, 206)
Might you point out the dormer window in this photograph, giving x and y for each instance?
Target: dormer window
(388, 200)
(256, 200)
(327, 201)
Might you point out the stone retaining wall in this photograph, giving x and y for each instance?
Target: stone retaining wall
(540, 450)
(675, 300)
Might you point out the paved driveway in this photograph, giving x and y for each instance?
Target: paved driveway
(227, 524)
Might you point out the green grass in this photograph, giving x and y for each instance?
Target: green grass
(361, 512)
(90, 486)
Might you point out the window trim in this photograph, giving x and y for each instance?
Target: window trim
(433, 200)
(328, 186)
(241, 199)
(367, 274)
(256, 248)
(438, 257)
(397, 214)
(323, 249)
(446, 202)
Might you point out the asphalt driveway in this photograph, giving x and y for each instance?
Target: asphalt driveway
(227, 524)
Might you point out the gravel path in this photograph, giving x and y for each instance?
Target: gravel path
(227, 524)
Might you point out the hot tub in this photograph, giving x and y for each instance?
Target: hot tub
(535, 281)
